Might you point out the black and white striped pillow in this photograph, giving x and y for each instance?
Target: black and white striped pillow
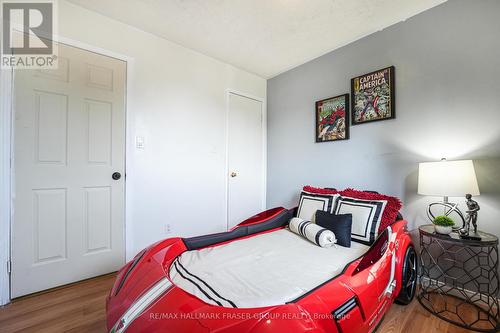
(313, 232)
(309, 203)
(366, 217)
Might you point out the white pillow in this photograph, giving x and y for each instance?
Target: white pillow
(313, 232)
(366, 217)
(309, 203)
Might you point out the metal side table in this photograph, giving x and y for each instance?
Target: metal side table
(459, 279)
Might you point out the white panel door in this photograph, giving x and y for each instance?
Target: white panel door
(69, 139)
(245, 158)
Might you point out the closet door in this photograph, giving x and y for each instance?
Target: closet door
(245, 158)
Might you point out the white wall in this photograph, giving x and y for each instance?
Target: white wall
(177, 102)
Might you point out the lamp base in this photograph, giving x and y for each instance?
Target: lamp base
(448, 208)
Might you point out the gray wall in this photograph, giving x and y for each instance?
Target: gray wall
(447, 63)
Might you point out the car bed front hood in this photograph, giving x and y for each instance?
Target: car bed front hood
(178, 311)
(167, 308)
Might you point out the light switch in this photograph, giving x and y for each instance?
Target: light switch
(139, 142)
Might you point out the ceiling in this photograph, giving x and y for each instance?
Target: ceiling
(265, 37)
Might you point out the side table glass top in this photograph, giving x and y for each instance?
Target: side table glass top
(486, 238)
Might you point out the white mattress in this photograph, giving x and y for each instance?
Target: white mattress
(269, 269)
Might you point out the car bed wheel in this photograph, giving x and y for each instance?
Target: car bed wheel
(409, 277)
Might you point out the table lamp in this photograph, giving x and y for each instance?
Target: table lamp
(447, 179)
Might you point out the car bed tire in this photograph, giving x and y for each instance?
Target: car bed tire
(408, 277)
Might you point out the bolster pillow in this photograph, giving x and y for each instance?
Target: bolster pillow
(313, 232)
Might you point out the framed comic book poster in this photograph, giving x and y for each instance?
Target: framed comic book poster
(332, 119)
(373, 96)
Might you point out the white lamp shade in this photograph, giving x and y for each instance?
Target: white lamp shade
(447, 178)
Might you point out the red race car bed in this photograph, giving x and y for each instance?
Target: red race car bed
(261, 277)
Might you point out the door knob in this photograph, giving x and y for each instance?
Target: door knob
(234, 174)
(116, 175)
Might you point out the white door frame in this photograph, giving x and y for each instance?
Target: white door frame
(264, 149)
(7, 194)
(5, 182)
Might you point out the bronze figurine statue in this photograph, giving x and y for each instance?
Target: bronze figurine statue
(473, 208)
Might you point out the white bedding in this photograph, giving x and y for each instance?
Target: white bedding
(264, 270)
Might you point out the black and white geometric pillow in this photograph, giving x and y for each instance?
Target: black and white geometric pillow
(309, 203)
(366, 217)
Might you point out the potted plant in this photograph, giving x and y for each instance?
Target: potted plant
(443, 224)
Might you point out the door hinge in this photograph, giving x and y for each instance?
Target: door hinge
(9, 266)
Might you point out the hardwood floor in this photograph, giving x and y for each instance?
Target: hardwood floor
(80, 308)
(414, 318)
(75, 308)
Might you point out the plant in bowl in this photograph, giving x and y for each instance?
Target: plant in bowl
(443, 224)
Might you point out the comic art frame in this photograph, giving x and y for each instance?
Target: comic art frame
(346, 117)
(392, 88)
